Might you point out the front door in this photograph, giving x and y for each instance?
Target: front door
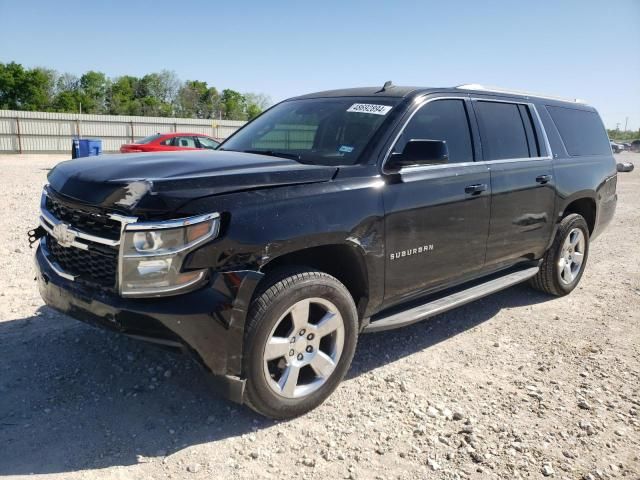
(436, 216)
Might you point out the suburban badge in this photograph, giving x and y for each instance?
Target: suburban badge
(411, 251)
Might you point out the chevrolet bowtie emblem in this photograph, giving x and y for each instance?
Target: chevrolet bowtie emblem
(63, 235)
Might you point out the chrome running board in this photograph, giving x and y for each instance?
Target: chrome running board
(449, 302)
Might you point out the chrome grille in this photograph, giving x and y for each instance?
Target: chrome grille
(82, 242)
(96, 265)
(84, 220)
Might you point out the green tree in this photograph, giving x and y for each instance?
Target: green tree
(67, 102)
(623, 136)
(94, 87)
(121, 96)
(11, 75)
(256, 104)
(211, 104)
(66, 95)
(190, 98)
(233, 104)
(155, 94)
(22, 89)
(196, 99)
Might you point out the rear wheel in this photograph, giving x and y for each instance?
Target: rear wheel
(563, 264)
(300, 339)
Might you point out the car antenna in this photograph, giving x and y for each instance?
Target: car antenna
(387, 84)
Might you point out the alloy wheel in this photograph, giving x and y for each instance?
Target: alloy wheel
(571, 256)
(303, 348)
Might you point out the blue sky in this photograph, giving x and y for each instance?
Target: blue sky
(575, 48)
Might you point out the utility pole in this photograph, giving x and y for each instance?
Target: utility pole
(626, 121)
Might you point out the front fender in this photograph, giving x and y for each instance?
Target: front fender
(261, 226)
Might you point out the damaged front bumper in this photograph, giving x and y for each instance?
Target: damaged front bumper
(209, 322)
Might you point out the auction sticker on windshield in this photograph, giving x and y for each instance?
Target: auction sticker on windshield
(369, 108)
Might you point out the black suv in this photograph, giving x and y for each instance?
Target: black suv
(331, 214)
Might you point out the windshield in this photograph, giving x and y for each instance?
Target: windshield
(323, 131)
(148, 139)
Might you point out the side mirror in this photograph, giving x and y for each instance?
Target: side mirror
(625, 167)
(419, 152)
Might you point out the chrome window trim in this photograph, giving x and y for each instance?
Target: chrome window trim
(522, 93)
(419, 168)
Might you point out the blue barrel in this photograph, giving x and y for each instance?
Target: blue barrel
(86, 147)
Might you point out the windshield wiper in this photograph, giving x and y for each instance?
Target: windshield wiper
(273, 153)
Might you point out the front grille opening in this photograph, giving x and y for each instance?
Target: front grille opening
(96, 266)
(89, 222)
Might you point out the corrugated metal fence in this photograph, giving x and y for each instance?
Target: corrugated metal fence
(25, 132)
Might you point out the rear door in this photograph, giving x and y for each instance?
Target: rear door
(514, 147)
(436, 216)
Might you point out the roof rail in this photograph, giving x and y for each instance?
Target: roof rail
(477, 86)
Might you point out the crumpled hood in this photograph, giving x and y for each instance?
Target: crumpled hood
(164, 181)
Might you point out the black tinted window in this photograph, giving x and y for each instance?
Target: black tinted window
(441, 120)
(502, 130)
(581, 131)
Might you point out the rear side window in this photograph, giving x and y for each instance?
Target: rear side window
(506, 130)
(185, 142)
(441, 120)
(581, 131)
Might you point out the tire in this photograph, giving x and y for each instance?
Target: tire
(553, 277)
(307, 321)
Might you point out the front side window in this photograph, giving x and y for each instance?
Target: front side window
(444, 120)
(323, 131)
(502, 130)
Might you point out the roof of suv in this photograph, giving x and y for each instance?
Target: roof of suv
(402, 92)
(392, 91)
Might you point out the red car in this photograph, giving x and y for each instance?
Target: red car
(163, 142)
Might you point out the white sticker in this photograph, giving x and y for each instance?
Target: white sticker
(369, 108)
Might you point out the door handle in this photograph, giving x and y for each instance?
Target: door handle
(543, 179)
(475, 189)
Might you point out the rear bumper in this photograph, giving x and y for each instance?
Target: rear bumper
(208, 323)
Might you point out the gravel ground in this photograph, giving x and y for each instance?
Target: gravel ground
(517, 385)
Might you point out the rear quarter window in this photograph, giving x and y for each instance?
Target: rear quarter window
(581, 131)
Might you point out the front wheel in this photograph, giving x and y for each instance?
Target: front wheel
(300, 339)
(563, 264)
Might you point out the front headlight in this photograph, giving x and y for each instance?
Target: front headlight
(152, 255)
